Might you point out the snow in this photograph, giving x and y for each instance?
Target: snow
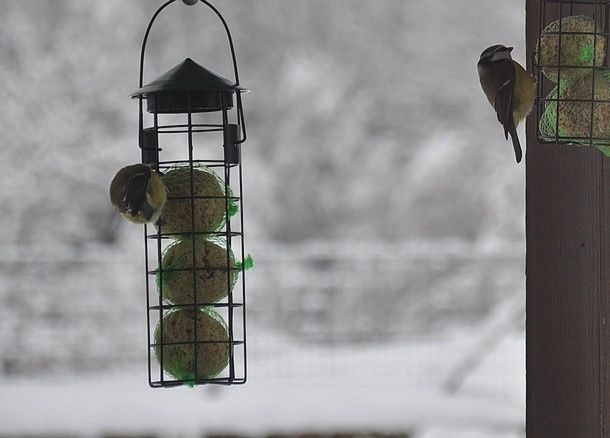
(364, 397)
(451, 432)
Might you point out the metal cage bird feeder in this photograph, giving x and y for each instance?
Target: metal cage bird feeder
(570, 63)
(196, 313)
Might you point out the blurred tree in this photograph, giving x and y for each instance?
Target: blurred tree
(346, 97)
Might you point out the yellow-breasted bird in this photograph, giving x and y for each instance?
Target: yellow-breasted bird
(509, 88)
(138, 193)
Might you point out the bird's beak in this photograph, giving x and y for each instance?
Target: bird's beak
(510, 49)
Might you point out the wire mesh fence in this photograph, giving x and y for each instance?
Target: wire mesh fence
(319, 311)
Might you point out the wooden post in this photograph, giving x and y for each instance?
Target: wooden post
(568, 283)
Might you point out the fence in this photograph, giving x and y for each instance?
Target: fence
(411, 313)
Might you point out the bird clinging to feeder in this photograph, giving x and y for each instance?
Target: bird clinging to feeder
(138, 193)
(509, 88)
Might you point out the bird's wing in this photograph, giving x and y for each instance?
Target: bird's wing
(134, 193)
(503, 103)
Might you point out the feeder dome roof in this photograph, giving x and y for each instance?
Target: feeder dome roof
(186, 77)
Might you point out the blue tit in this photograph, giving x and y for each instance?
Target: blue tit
(138, 193)
(509, 88)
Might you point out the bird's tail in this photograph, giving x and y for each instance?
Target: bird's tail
(515, 138)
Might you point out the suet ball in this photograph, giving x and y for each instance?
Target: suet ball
(209, 213)
(179, 360)
(573, 119)
(576, 49)
(176, 275)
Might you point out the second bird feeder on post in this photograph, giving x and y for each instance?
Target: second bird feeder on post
(195, 262)
(571, 68)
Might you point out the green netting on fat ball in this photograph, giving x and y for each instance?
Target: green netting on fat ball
(176, 273)
(233, 207)
(248, 263)
(584, 121)
(548, 120)
(210, 214)
(577, 50)
(604, 150)
(179, 360)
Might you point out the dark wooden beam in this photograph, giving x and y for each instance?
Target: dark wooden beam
(568, 283)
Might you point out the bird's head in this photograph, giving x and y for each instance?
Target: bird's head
(495, 53)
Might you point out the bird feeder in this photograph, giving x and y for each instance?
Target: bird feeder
(194, 254)
(570, 62)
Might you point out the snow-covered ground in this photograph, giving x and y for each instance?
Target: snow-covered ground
(396, 388)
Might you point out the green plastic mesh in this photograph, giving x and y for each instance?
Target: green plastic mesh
(179, 360)
(604, 150)
(576, 49)
(209, 214)
(582, 122)
(549, 120)
(248, 263)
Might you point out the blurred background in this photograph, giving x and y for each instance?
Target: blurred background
(383, 209)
